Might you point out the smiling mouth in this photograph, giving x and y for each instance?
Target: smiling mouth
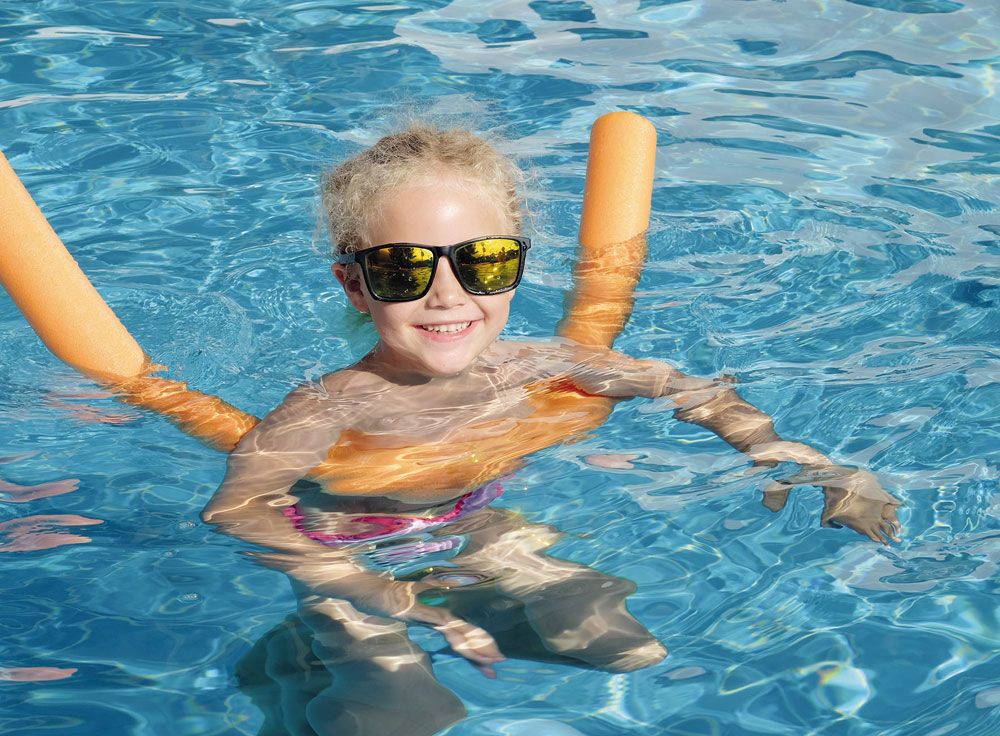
(446, 329)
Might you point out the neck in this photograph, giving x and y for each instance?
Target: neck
(382, 365)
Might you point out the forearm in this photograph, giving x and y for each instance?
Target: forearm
(258, 520)
(332, 572)
(328, 571)
(852, 497)
(712, 404)
(746, 428)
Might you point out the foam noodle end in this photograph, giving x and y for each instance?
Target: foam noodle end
(616, 208)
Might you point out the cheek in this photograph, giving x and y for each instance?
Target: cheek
(497, 307)
(389, 316)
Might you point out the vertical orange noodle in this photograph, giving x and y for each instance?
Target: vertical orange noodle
(616, 207)
(77, 325)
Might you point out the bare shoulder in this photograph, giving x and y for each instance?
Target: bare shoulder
(348, 383)
(312, 414)
(538, 359)
(602, 371)
(560, 355)
(335, 396)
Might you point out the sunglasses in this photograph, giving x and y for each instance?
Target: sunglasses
(403, 272)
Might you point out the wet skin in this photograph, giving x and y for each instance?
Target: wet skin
(441, 405)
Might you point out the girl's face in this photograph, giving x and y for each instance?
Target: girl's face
(444, 332)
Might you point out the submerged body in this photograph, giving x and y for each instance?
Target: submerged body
(402, 461)
(438, 409)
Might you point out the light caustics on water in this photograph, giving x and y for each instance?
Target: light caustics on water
(825, 229)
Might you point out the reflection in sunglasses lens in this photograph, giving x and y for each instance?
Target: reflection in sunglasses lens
(399, 272)
(487, 266)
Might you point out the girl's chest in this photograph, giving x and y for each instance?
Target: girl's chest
(409, 420)
(436, 453)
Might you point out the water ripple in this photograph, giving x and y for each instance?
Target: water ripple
(824, 228)
(845, 65)
(912, 6)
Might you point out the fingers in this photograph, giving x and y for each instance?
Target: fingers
(889, 513)
(473, 643)
(486, 671)
(884, 530)
(874, 535)
(890, 525)
(776, 496)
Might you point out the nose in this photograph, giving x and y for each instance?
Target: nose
(445, 292)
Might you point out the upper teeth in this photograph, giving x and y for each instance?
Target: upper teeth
(456, 327)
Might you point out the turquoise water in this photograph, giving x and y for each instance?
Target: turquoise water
(825, 228)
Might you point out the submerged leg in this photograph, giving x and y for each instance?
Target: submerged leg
(332, 671)
(575, 611)
(584, 616)
(281, 675)
(382, 683)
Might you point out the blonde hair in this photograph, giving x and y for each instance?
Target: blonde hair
(354, 191)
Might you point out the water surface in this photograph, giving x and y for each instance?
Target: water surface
(825, 229)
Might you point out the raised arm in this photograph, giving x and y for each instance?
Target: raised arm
(853, 497)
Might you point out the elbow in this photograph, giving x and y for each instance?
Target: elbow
(216, 512)
(227, 509)
(210, 515)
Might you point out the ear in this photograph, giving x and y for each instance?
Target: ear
(350, 278)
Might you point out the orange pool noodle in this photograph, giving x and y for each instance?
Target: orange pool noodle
(52, 292)
(616, 207)
(78, 326)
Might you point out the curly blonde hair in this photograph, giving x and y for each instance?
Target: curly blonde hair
(353, 192)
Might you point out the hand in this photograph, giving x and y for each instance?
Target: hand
(852, 497)
(472, 642)
(399, 600)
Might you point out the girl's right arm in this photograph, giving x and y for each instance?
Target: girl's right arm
(282, 449)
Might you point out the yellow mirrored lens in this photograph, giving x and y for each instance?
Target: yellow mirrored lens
(399, 271)
(489, 265)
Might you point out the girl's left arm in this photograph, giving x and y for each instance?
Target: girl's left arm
(854, 496)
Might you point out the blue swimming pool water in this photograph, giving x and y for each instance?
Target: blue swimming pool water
(825, 228)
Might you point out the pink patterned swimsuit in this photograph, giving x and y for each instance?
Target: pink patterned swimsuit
(380, 527)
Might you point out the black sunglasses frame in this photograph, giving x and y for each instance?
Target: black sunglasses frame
(440, 251)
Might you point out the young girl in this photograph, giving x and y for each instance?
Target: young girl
(419, 436)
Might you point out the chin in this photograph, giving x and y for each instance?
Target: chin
(447, 370)
(447, 366)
